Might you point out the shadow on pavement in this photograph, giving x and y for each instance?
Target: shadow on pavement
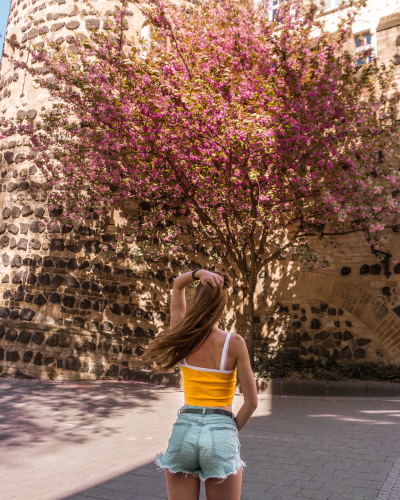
(84, 406)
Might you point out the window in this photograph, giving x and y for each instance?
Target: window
(274, 10)
(363, 42)
(331, 4)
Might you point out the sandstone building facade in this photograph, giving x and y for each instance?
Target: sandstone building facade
(68, 310)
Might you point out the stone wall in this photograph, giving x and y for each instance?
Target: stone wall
(69, 310)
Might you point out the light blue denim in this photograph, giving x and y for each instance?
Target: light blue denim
(203, 445)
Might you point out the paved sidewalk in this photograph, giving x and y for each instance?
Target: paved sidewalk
(97, 440)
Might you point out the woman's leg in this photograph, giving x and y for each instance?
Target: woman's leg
(182, 486)
(229, 489)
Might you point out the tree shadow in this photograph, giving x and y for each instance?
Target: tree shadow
(69, 411)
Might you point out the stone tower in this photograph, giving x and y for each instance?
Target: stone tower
(67, 310)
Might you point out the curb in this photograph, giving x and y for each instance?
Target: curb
(287, 387)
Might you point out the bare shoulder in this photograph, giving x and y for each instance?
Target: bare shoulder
(237, 344)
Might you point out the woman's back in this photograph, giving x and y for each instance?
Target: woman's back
(210, 353)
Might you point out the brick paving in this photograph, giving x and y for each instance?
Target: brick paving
(97, 440)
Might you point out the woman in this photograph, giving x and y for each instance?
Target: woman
(204, 443)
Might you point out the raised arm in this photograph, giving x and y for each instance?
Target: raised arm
(178, 300)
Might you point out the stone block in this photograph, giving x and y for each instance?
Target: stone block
(31, 279)
(23, 186)
(9, 157)
(100, 305)
(6, 213)
(57, 245)
(12, 356)
(71, 281)
(68, 301)
(94, 287)
(112, 371)
(44, 279)
(24, 336)
(38, 359)
(322, 335)
(92, 23)
(24, 227)
(5, 313)
(11, 334)
(37, 227)
(19, 374)
(13, 228)
(72, 363)
(27, 314)
(13, 243)
(115, 309)
(57, 280)
(22, 244)
(31, 114)
(85, 304)
(316, 324)
(57, 26)
(139, 332)
(16, 261)
(28, 355)
(4, 241)
(15, 212)
(14, 314)
(19, 277)
(39, 211)
(38, 338)
(107, 327)
(72, 25)
(359, 353)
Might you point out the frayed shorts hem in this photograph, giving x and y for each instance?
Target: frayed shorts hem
(162, 467)
(198, 474)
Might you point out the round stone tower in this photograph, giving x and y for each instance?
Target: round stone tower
(67, 309)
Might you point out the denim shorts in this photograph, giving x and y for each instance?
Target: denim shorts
(203, 445)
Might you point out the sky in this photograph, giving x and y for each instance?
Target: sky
(4, 8)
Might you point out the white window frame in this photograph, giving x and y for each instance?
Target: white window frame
(336, 4)
(365, 46)
(273, 8)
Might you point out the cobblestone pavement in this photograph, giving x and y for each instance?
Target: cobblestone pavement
(82, 441)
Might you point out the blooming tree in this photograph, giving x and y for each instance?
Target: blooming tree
(248, 136)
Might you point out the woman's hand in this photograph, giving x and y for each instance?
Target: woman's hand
(178, 300)
(209, 277)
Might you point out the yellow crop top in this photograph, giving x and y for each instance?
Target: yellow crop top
(208, 387)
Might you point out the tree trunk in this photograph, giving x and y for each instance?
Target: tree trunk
(248, 317)
(251, 333)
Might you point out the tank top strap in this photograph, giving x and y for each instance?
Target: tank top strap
(225, 352)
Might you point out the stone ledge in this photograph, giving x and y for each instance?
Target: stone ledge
(287, 387)
(388, 22)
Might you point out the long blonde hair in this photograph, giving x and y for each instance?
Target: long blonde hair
(204, 311)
